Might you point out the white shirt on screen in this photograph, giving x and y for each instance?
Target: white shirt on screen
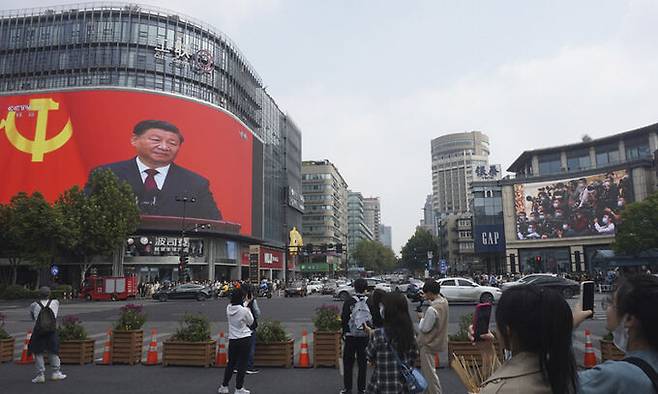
(159, 177)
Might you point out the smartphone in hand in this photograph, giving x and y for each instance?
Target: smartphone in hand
(481, 319)
(587, 296)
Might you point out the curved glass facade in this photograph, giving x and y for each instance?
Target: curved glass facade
(118, 44)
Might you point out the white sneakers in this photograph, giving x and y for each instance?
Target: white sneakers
(224, 390)
(39, 379)
(55, 376)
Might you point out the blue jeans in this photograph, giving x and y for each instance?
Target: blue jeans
(252, 351)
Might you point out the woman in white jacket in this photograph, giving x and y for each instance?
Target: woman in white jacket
(239, 335)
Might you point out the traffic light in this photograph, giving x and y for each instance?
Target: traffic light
(309, 248)
(339, 248)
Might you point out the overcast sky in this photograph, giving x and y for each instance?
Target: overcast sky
(370, 83)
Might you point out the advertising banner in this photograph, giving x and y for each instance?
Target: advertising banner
(181, 157)
(489, 238)
(588, 206)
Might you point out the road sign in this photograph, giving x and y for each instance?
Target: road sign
(443, 267)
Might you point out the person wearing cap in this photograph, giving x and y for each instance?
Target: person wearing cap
(45, 342)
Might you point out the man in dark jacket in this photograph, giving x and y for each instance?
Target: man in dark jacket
(157, 181)
(356, 339)
(45, 342)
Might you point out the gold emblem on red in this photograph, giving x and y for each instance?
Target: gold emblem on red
(40, 145)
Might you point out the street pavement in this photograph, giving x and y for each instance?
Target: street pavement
(295, 314)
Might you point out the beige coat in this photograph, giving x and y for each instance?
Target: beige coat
(519, 375)
(437, 339)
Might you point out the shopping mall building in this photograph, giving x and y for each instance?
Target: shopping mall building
(560, 210)
(129, 63)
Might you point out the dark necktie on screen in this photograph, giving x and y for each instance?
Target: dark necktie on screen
(149, 182)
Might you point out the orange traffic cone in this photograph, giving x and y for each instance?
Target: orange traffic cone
(303, 352)
(152, 354)
(221, 359)
(26, 357)
(107, 353)
(590, 356)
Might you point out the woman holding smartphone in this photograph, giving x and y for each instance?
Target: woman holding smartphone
(239, 340)
(535, 326)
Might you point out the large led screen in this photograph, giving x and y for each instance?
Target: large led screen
(588, 206)
(169, 149)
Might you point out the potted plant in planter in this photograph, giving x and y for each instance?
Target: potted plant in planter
(191, 344)
(75, 347)
(609, 351)
(127, 336)
(460, 345)
(274, 347)
(6, 342)
(326, 336)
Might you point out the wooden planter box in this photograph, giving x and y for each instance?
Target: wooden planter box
(326, 348)
(77, 352)
(196, 354)
(127, 347)
(469, 352)
(7, 350)
(275, 354)
(610, 352)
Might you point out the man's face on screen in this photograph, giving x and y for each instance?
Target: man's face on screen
(156, 147)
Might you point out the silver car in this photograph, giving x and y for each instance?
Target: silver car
(464, 290)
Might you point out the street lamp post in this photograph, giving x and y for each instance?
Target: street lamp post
(185, 200)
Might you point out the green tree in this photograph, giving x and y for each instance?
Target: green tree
(374, 256)
(30, 231)
(638, 231)
(99, 219)
(414, 252)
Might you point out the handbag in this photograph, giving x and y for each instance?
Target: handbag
(414, 380)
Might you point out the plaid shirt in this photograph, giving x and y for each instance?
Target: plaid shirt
(387, 376)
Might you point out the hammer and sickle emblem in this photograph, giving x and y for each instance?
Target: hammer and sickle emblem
(40, 145)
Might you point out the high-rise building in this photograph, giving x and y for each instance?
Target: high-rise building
(386, 235)
(428, 220)
(455, 159)
(357, 228)
(136, 49)
(325, 213)
(372, 211)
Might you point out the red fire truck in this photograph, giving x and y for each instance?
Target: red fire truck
(105, 288)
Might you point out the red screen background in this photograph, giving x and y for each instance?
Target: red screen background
(216, 146)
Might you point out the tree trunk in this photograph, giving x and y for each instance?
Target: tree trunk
(14, 274)
(83, 271)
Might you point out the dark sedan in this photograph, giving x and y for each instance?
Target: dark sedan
(567, 287)
(296, 288)
(188, 290)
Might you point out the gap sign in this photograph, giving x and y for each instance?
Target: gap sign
(489, 238)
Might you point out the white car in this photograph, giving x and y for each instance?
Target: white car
(314, 286)
(402, 286)
(347, 290)
(464, 290)
(524, 281)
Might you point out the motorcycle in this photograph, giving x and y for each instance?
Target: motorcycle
(264, 292)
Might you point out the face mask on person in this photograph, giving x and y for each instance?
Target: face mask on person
(555, 205)
(620, 336)
(604, 220)
(620, 203)
(565, 227)
(541, 217)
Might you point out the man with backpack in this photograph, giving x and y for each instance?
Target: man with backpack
(356, 317)
(44, 335)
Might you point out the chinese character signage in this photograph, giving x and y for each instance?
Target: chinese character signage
(181, 55)
(489, 172)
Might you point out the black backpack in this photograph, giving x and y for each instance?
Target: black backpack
(46, 321)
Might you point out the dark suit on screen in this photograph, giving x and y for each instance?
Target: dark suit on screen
(178, 183)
